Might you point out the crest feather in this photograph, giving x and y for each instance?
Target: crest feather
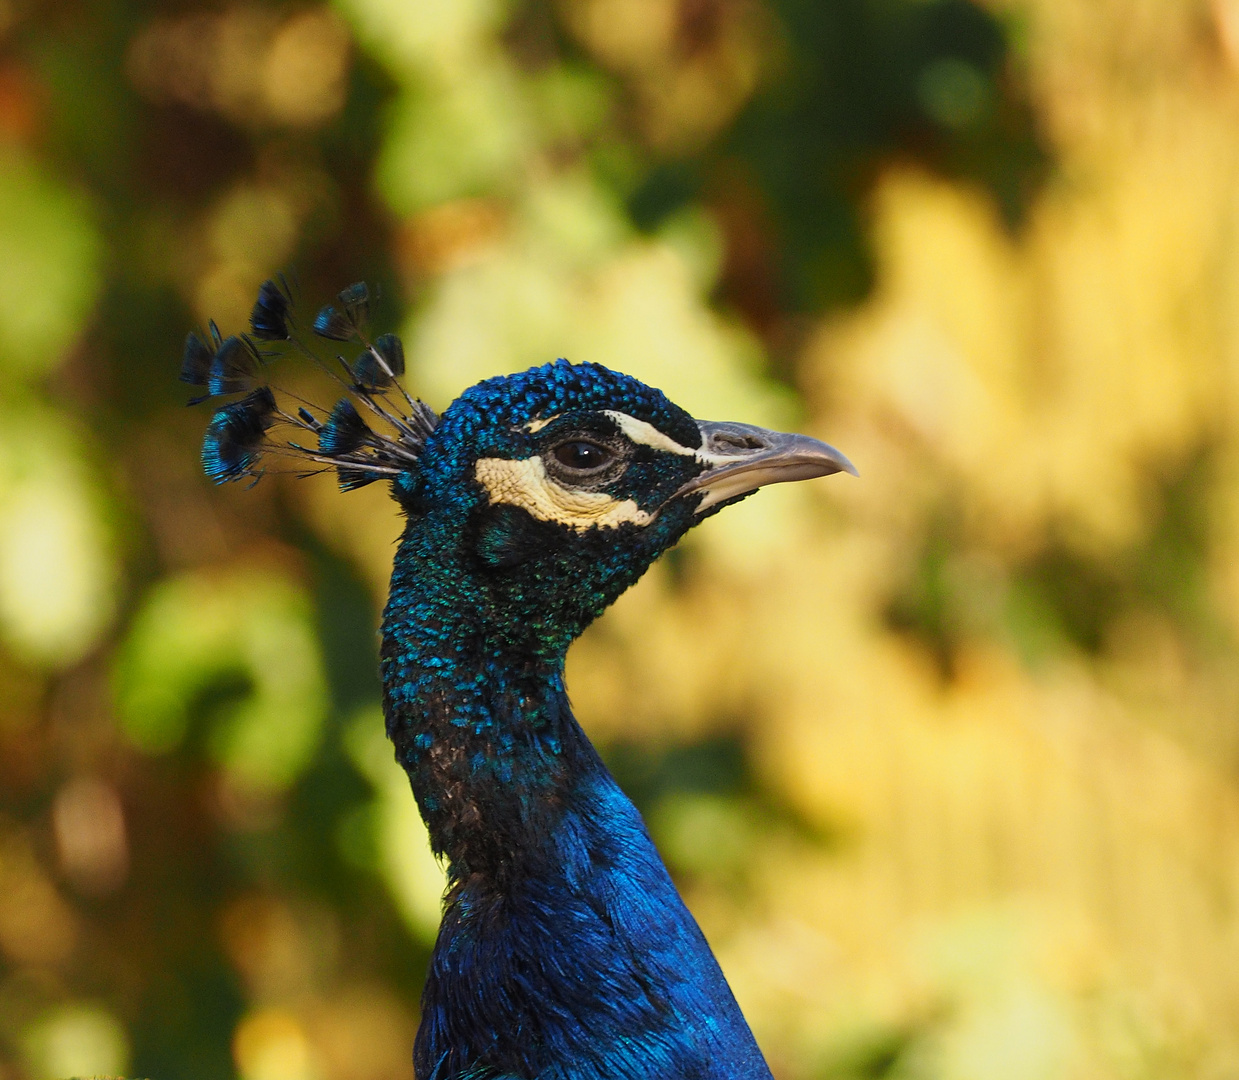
(196, 360)
(269, 321)
(234, 368)
(234, 437)
(243, 433)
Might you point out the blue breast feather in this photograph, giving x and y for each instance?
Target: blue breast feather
(625, 984)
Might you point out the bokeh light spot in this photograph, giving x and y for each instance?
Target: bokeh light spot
(77, 1039)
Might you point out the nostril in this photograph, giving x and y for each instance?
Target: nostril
(723, 440)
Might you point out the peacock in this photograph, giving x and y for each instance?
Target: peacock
(531, 504)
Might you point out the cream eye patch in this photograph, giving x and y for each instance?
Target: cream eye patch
(525, 484)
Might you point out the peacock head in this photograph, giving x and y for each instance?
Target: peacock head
(535, 500)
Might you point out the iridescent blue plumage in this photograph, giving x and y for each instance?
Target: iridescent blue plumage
(234, 368)
(341, 323)
(269, 320)
(565, 950)
(231, 447)
(381, 366)
(344, 432)
(196, 361)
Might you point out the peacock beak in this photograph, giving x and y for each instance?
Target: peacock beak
(740, 458)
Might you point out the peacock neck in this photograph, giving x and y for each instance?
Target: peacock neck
(480, 721)
(564, 949)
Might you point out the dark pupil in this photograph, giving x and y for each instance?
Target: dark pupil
(581, 455)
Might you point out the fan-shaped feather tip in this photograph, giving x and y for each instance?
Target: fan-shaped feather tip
(233, 442)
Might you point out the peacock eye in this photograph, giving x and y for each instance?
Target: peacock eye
(582, 456)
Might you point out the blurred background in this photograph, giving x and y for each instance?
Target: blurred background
(945, 760)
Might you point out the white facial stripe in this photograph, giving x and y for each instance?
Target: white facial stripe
(534, 426)
(648, 435)
(526, 484)
(644, 434)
